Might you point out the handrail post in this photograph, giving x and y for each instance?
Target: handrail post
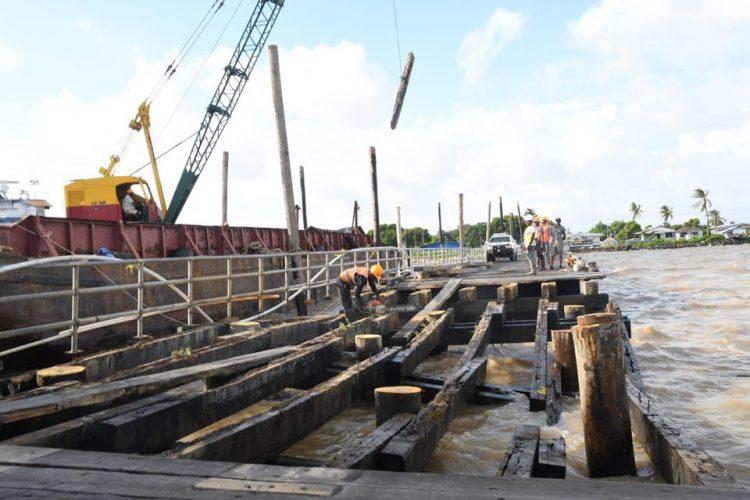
(229, 287)
(308, 276)
(261, 283)
(74, 303)
(190, 292)
(139, 326)
(328, 277)
(286, 278)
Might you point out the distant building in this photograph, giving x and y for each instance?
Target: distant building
(657, 233)
(689, 232)
(580, 241)
(732, 230)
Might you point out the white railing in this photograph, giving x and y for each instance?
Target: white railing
(260, 277)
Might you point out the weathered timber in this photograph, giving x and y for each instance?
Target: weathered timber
(538, 396)
(410, 449)
(402, 86)
(405, 334)
(467, 294)
(507, 293)
(677, 457)
(419, 348)
(118, 361)
(363, 452)
(493, 315)
(82, 475)
(395, 399)
(521, 455)
(549, 290)
(420, 298)
(368, 345)
(97, 393)
(61, 373)
(261, 437)
(565, 357)
(184, 415)
(551, 459)
(589, 287)
(486, 393)
(552, 403)
(572, 311)
(604, 407)
(245, 342)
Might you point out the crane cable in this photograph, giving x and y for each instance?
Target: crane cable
(127, 137)
(165, 152)
(199, 71)
(398, 41)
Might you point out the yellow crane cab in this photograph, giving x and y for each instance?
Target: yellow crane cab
(100, 198)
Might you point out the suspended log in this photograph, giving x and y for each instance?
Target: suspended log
(402, 90)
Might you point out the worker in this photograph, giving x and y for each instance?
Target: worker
(529, 243)
(357, 277)
(130, 211)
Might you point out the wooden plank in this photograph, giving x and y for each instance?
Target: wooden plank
(405, 334)
(552, 402)
(410, 449)
(521, 455)
(481, 337)
(97, 393)
(551, 459)
(261, 437)
(538, 396)
(363, 452)
(419, 348)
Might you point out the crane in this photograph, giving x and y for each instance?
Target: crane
(224, 100)
(99, 198)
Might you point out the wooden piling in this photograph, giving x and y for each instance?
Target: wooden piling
(62, 373)
(549, 290)
(589, 287)
(440, 225)
(604, 403)
(565, 356)
(489, 220)
(368, 345)
(375, 205)
(304, 196)
(402, 89)
(461, 224)
(391, 400)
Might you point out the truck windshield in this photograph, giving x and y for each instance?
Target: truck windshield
(500, 239)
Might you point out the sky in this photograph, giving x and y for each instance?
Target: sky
(575, 108)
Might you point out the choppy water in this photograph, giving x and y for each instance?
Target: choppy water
(691, 332)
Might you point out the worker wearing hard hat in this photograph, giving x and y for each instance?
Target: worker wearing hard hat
(357, 277)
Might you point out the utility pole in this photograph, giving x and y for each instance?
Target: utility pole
(520, 222)
(304, 197)
(398, 228)
(489, 219)
(286, 169)
(440, 226)
(461, 224)
(502, 222)
(375, 207)
(224, 182)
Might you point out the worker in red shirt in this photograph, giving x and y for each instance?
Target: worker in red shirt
(357, 277)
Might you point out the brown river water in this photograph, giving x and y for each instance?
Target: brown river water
(691, 334)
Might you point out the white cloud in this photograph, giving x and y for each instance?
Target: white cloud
(84, 25)
(7, 59)
(480, 46)
(674, 32)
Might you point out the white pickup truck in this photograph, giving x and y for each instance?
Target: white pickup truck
(501, 245)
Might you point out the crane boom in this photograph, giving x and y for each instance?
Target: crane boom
(224, 100)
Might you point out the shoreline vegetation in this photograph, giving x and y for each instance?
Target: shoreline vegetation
(662, 244)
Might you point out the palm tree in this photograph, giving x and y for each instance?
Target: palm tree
(702, 204)
(665, 212)
(635, 210)
(716, 218)
(530, 211)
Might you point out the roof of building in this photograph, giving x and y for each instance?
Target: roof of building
(657, 230)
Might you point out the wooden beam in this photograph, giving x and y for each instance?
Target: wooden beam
(521, 455)
(409, 330)
(419, 348)
(260, 437)
(363, 452)
(410, 449)
(538, 396)
(552, 402)
(551, 459)
(107, 392)
(493, 315)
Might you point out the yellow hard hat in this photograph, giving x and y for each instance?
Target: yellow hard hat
(536, 218)
(377, 270)
(545, 219)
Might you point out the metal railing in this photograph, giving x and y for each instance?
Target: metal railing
(223, 280)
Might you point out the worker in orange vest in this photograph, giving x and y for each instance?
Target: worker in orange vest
(357, 277)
